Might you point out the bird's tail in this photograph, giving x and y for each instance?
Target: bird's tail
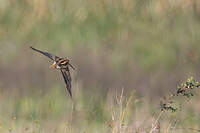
(72, 66)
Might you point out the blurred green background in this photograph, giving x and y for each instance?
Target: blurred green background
(147, 47)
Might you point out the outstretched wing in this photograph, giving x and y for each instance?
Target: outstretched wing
(51, 56)
(67, 79)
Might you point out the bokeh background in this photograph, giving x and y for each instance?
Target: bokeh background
(146, 47)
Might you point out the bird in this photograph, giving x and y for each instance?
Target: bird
(61, 64)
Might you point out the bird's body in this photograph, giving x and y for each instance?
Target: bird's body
(62, 64)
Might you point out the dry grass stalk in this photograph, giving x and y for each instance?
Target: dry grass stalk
(156, 125)
(117, 124)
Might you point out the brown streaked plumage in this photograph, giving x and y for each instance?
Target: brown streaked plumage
(62, 64)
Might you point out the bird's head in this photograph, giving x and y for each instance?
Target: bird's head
(52, 66)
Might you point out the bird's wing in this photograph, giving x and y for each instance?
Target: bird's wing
(51, 56)
(67, 79)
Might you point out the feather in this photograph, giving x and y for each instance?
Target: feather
(71, 66)
(61, 64)
(67, 79)
(51, 56)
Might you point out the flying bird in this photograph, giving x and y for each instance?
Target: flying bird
(63, 65)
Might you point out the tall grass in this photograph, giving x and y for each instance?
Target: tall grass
(121, 113)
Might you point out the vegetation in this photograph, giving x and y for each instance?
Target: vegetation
(146, 47)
